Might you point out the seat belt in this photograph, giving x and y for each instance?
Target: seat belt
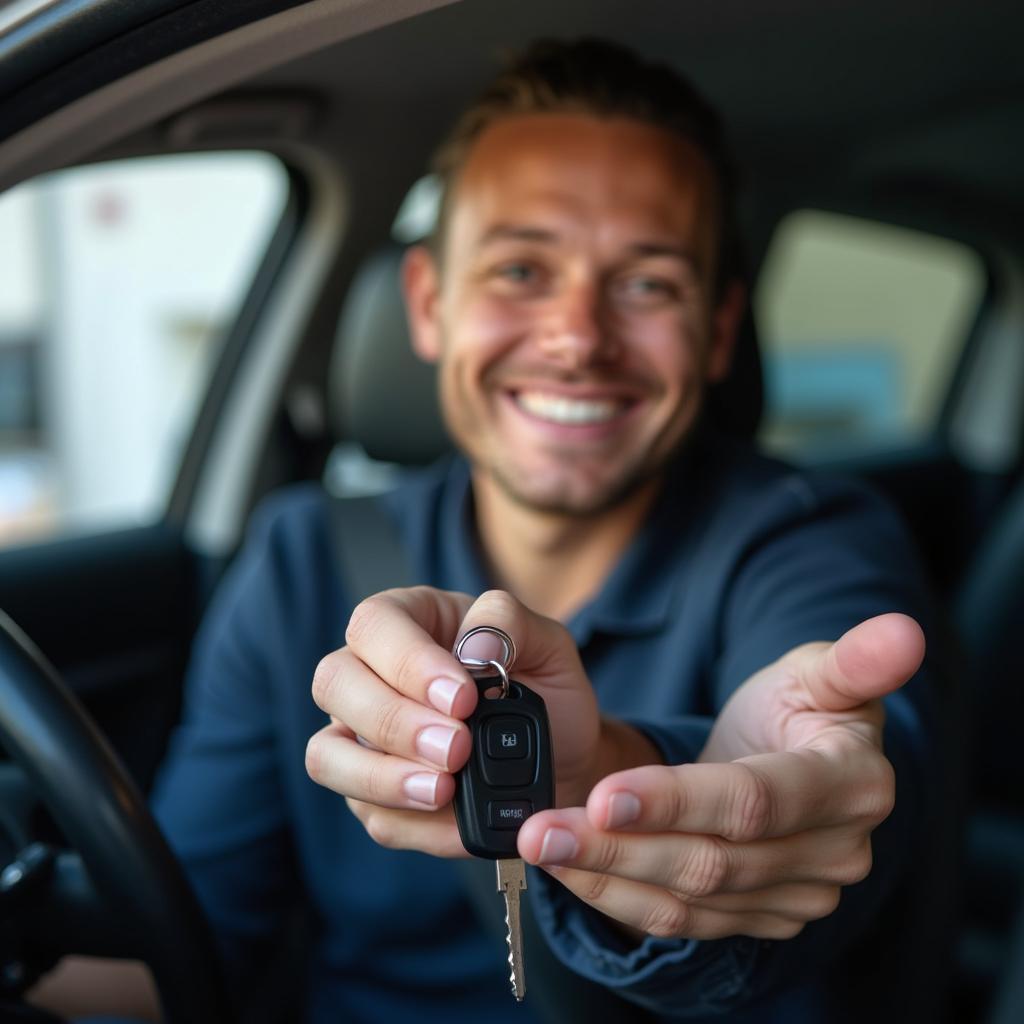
(370, 559)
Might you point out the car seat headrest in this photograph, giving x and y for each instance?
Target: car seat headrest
(381, 394)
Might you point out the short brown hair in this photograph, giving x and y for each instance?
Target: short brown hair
(591, 76)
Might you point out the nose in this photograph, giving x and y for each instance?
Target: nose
(573, 332)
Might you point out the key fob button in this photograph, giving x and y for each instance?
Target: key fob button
(508, 814)
(508, 737)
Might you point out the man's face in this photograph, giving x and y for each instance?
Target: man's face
(573, 314)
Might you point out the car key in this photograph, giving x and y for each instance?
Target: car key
(509, 776)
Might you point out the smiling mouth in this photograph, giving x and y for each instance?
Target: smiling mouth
(566, 411)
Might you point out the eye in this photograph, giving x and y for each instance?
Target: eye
(647, 289)
(516, 272)
(517, 278)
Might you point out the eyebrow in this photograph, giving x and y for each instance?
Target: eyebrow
(517, 233)
(545, 236)
(679, 252)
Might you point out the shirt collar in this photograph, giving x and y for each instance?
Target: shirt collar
(640, 592)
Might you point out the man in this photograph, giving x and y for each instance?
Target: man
(579, 298)
(674, 598)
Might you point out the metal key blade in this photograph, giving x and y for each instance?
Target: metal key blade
(511, 882)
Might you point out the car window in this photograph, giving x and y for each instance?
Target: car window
(861, 325)
(117, 283)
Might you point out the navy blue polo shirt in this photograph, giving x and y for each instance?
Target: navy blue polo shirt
(741, 559)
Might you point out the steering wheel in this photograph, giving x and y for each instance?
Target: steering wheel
(120, 891)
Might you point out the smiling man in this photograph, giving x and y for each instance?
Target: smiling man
(717, 636)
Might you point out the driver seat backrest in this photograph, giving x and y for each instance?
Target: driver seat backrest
(989, 618)
(384, 397)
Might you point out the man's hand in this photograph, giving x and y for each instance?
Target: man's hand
(397, 698)
(759, 836)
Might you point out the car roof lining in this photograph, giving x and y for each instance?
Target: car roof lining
(80, 129)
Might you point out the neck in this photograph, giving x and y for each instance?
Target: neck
(553, 562)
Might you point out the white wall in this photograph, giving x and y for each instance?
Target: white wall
(130, 270)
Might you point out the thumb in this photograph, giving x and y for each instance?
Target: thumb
(874, 658)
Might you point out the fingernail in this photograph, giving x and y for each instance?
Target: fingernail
(442, 693)
(484, 647)
(421, 787)
(434, 743)
(559, 844)
(622, 809)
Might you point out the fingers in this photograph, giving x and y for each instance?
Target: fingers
(336, 760)
(394, 684)
(757, 797)
(397, 696)
(695, 866)
(872, 659)
(435, 834)
(662, 914)
(354, 695)
(404, 636)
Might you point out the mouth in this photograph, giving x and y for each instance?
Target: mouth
(569, 411)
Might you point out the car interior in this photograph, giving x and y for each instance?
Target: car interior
(907, 117)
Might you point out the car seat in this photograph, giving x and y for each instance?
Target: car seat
(989, 616)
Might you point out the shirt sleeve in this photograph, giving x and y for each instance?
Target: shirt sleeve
(219, 795)
(815, 560)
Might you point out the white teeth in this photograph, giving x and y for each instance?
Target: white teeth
(560, 409)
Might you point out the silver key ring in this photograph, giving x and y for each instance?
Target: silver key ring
(476, 664)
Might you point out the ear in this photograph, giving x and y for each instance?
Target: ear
(421, 286)
(725, 328)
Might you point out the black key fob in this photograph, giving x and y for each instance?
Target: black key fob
(510, 771)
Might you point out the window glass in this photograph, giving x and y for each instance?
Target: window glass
(117, 283)
(861, 327)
